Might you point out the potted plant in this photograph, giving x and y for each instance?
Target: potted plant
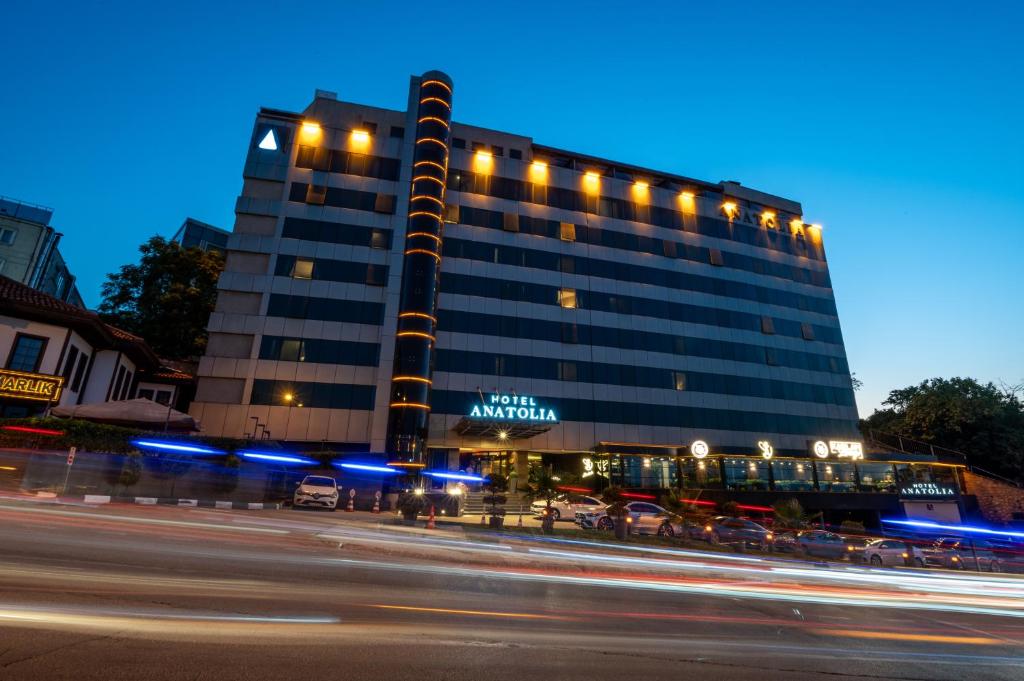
(616, 510)
(410, 505)
(543, 486)
(496, 499)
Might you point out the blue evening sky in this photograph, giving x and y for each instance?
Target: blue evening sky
(897, 125)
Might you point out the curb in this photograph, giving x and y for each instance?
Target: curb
(174, 501)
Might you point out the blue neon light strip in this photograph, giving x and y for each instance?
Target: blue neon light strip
(174, 447)
(277, 458)
(955, 528)
(454, 476)
(366, 467)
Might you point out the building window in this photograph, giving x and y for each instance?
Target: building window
(69, 363)
(836, 477)
(292, 350)
(83, 362)
(567, 371)
(511, 222)
(679, 380)
(570, 333)
(767, 325)
(27, 353)
(668, 248)
(497, 151)
(369, 126)
(478, 146)
(807, 331)
(397, 131)
(517, 154)
(451, 213)
(792, 476)
(163, 397)
(458, 143)
(316, 195)
(7, 236)
(567, 231)
(3, 263)
(715, 256)
(771, 357)
(384, 203)
(117, 383)
(746, 475)
(127, 389)
(376, 274)
(567, 264)
(145, 393)
(567, 298)
(302, 269)
(379, 238)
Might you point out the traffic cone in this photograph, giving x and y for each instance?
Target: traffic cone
(376, 505)
(430, 520)
(351, 504)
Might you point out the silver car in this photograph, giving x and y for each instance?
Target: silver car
(317, 491)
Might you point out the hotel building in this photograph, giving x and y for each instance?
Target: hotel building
(443, 294)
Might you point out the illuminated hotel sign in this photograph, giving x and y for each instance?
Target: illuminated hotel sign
(842, 449)
(927, 490)
(766, 449)
(25, 386)
(512, 408)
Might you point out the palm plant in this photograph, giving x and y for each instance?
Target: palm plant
(543, 486)
(790, 515)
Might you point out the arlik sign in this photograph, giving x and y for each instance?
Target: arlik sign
(41, 387)
(513, 408)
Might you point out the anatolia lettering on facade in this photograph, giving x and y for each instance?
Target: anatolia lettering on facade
(513, 407)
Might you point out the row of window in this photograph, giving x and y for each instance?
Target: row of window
(324, 269)
(340, 161)
(320, 351)
(779, 475)
(632, 413)
(567, 231)
(490, 364)
(515, 154)
(122, 385)
(74, 373)
(487, 287)
(620, 271)
(569, 199)
(308, 394)
(631, 339)
(26, 353)
(336, 233)
(337, 197)
(325, 309)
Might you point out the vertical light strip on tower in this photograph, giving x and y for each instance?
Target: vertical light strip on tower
(409, 409)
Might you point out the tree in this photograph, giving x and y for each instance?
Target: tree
(790, 515)
(543, 486)
(616, 509)
(496, 486)
(166, 298)
(983, 421)
(683, 512)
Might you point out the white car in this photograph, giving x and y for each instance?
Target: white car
(317, 491)
(564, 508)
(645, 518)
(892, 552)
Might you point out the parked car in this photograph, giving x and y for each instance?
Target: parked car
(645, 519)
(821, 543)
(959, 554)
(567, 507)
(317, 491)
(728, 530)
(855, 547)
(891, 552)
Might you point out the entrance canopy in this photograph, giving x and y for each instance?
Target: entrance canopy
(138, 413)
(513, 430)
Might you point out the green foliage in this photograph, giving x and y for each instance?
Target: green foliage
(982, 420)
(790, 514)
(615, 500)
(851, 527)
(86, 435)
(679, 510)
(542, 486)
(166, 298)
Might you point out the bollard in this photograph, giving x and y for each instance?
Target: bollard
(376, 505)
(430, 520)
(351, 501)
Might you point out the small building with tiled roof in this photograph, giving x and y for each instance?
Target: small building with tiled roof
(55, 353)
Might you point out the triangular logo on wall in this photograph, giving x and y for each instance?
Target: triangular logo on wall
(269, 141)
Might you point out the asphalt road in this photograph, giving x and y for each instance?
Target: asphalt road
(168, 593)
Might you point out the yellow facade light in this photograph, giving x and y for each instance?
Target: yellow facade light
(641, 190)
(419, 315)
(730, 208)
(539, 172)
(359, 140)
(768, 218)
(796, 225)
(288, 397)
(416, 379)
(815, 231)
(688, 201)
(311, 130)
(483, 162)
(591, 182)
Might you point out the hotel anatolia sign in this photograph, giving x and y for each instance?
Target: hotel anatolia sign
(513, 408)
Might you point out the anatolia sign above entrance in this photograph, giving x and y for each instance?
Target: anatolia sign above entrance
(512, 408)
